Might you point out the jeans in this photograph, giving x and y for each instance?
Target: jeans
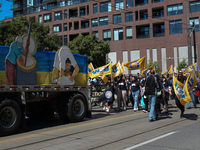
(152, 102)
(193, 99)
(135, 98)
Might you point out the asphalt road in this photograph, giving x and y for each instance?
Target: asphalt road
(118, 130)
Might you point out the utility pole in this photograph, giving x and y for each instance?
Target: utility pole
(188, 34)
(194, 40)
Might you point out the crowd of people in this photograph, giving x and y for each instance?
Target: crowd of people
(151, 89)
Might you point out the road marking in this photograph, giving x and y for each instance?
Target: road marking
(81, 125)
(149, 141)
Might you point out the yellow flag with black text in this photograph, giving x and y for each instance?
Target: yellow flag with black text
(135, 65)
(103, 70)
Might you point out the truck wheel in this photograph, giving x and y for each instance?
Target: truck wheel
(10, 117)
(77, 108)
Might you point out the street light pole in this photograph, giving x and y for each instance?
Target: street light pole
(194, 40)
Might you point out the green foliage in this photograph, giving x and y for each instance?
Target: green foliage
(92, 47)
(20, 25)
(155, 64)
(182, 65)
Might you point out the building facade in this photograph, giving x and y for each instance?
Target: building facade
(156, 29)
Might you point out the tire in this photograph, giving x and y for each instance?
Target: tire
(10, 117)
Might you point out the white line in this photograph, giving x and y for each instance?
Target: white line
(149, 141)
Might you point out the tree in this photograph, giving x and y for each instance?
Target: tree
(19, 26)
(92, 47)
(182, 65)
(155, 64)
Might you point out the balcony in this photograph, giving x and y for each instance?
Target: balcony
(49, 1)
(16, 7)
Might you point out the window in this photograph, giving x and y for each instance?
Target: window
(118, 34)
(57, 28)
(65, 39)
(95, 22)
(194, 6)
(129, 17)
(95, 9)
(40, 19)
(58, 15)
(141, 2)
(175, 27)
(47, 18)
(119, 4)
(129, 33)
(156, 1)
(62, 3)
(143, 31)
(103, 21)
(175, 9)
(65, 27)
(158, 12)
(73, 13)
(105, 7)
(107, 35)
(84, 24)
(95, 33)
(158, 29)
(117, 19)
(129, 3)
(143, 15)
(65, 14)
(76, 25)
(82, 11)
(196, 22)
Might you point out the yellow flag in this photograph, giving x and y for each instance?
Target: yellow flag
(90, 67)
(178, 87)
(190, 68)
(105, 78)
(185, 96)
(165, 73)
(169, 70)
(104, 70)
(191, 81)
(145, 71)
(135, 65)
(122, 65)
(116, 70)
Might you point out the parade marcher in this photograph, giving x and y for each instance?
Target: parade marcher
(166, 85)
(135, 89)
(127, 90)
(109, 107)
(150, 89)
(178, 104)
(121, 94)
(142, 82)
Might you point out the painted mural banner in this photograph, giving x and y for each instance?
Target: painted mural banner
(101, 93)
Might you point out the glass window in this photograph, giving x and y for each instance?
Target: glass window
(95, 22)
(107, 35)
(118, 34)
(175, 27)
(65, 14)
(65, 39)
(47, 18)
(58, 15)
(129, 3)
(117, 19)
(156, 1)
(95, 9)
(141, 2)
(57, 28)
(95, 33)
(129, 17)
(143, 31)
(159, 30)
(105, 7)
(84, 24)
(175, 9)
(119, 4)
(129, 33)
(196, 23)
(103, 21)
(158, 12)
(40, 19)
(82, 11)
(62, 3)
(194, 6)
(65, 27)
(143, 15)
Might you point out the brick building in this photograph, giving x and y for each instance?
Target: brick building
(156, 29)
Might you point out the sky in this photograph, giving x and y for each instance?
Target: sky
(5, 9)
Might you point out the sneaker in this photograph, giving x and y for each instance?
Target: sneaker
(104, 108)
(107, 109)
(151, 120)
(144, 111)
(135, 109)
